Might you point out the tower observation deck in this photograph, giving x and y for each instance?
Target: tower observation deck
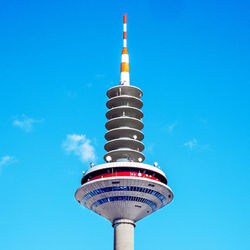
(124, 190)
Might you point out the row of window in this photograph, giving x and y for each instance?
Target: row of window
(115, 170)
(124, 198)
(161, 197)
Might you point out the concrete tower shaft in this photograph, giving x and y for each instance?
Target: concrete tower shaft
(123, 234)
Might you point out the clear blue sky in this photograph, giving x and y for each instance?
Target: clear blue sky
(190, 58)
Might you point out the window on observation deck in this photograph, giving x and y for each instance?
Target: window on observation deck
(112, 172)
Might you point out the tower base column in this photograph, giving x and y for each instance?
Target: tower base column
(123, 234)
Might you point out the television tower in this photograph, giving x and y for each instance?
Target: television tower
(124, 190)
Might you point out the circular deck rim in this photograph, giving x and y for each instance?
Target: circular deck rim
(124, 87)
(130, 143)
(118, 99)
(137, 113)
(139, 134)
(135, 155)
(138, 124)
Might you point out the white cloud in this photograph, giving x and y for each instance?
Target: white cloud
(171, 127)
(80, 146)
(191, 144)
(89, 84)
(6, 160)
(203, 121)
(99, 76)
(71, 94)
(25, 123)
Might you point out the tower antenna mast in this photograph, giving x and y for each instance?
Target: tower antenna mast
(125, 58)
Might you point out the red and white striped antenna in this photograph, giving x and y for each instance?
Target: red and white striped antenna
(125, 58)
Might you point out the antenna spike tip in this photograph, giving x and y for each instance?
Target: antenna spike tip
(125, 57)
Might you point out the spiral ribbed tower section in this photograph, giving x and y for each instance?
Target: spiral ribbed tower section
(124, 125)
